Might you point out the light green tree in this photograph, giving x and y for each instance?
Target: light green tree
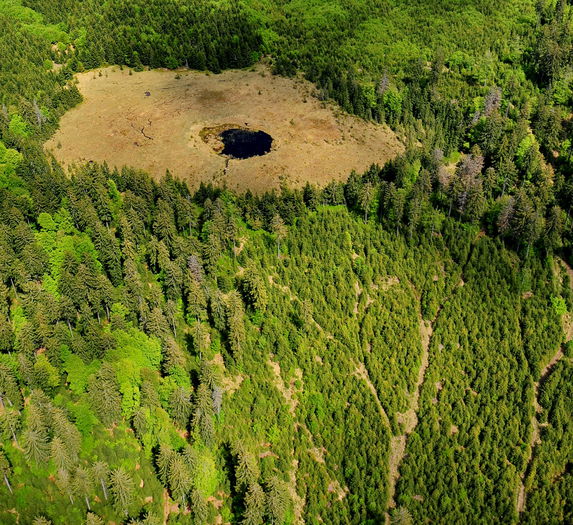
(36, 446)
(122, 488)
(401, 516)
(100, 473)
(41, 520)
(254, 505)
(93, 519)
(277, 500)
(179, 478)
(83, 485)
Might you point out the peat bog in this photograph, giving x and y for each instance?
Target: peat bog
(181, 126)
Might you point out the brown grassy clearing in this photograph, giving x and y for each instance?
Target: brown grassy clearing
(153, 120)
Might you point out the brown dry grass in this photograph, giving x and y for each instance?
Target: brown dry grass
(313, 141)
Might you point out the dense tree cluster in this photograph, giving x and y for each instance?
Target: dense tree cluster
(196, 34)
(212, 372)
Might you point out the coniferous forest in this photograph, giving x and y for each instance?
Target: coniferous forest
(395, 348)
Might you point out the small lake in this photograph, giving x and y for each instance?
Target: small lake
(244, 143)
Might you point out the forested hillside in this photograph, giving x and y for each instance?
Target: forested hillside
(154, 340)
(392, 348)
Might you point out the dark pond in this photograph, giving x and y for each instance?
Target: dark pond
(244, 143)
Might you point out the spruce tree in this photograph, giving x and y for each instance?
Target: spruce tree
(121, 485)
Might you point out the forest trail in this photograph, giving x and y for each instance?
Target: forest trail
(547, 368)
(535, 438)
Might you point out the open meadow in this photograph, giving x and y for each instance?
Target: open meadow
(156, 121)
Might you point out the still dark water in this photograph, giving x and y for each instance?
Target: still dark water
(244, 143)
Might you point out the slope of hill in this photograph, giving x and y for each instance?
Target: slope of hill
(389, 348)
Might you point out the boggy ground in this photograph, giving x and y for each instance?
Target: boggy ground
(153, 120)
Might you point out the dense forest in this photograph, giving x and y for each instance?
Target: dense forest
(392, 348)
